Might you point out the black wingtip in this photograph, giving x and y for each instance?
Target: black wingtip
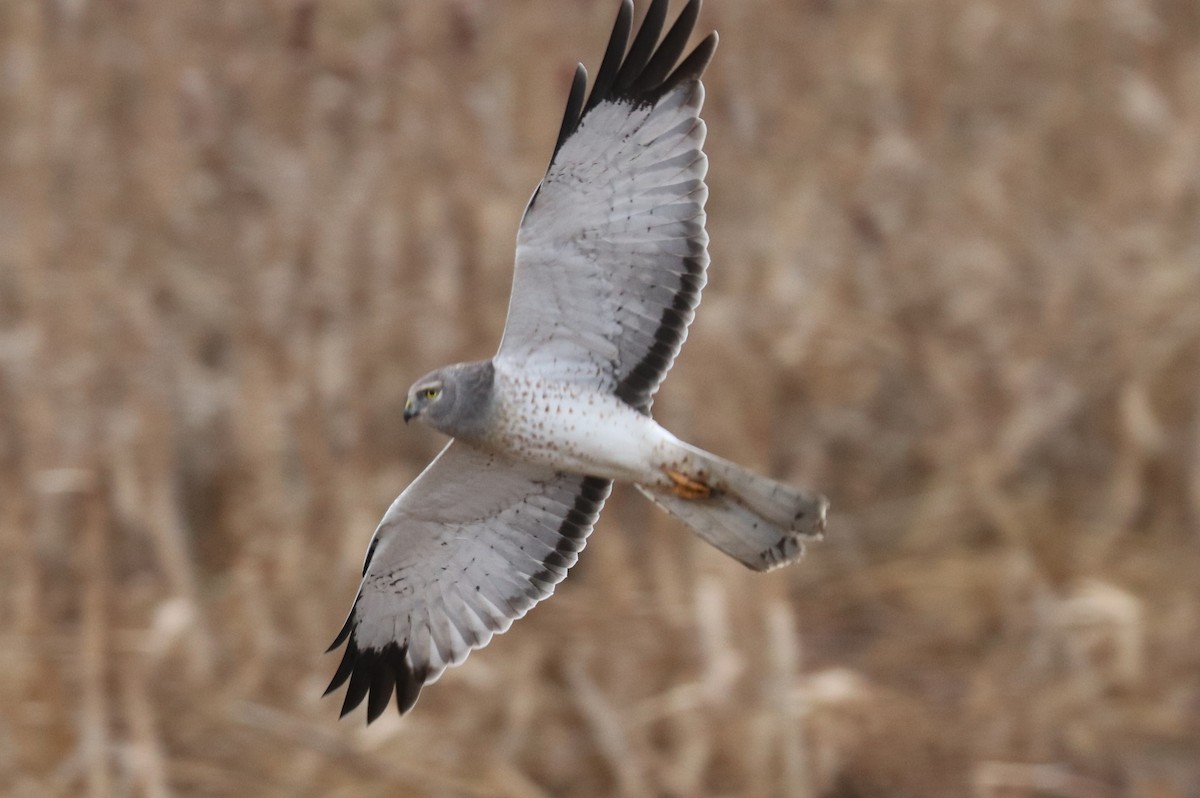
(408, 687)
(345, 668)
(697, 61)
(360, 679)
(643, 46)
(671, 47)
(613, 55)
(574, 106)
(383, 681)
(344, 633)
(374, 675)
(647, 71)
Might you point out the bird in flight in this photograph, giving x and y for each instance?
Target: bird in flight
(611, 258)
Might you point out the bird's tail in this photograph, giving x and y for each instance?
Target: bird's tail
(759, 522)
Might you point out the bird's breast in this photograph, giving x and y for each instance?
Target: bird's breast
(573, 428)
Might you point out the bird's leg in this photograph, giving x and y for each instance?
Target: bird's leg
(686, 487)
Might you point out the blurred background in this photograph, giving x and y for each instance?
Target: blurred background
(955, 285)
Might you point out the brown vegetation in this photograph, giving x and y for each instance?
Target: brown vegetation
(955, 285)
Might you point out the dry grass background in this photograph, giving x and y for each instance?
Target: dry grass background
(955, 285)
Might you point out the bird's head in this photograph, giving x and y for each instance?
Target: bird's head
(453, 400)
(427, 397)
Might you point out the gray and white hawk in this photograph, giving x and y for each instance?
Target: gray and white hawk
(611, 259)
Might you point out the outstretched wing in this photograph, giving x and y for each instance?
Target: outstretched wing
(612, 252)
(468, 547)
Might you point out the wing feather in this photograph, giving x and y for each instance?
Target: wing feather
(470, 546)
(611, 65)
(642, 49)
(612, 251)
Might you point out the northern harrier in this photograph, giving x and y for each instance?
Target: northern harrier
(611, 257)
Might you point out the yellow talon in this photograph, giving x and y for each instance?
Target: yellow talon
(686, 487)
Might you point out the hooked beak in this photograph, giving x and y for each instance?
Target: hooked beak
(409, 410)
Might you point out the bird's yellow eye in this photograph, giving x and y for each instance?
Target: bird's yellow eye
(432, 393)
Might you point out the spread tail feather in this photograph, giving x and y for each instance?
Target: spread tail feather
(759, 522)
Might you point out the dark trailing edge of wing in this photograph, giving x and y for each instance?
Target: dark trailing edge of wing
(370, 554)
(647, 71)
(637, 387)
(375, 673)
(576, 526)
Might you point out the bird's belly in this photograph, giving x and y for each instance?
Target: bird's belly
(585, 433)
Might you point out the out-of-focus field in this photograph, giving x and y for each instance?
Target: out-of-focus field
(955, 285)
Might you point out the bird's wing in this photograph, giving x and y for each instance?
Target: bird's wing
(612, 251)
(468, 547)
